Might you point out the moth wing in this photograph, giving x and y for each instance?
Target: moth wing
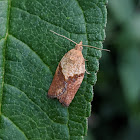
(59, 85)
(73, 85)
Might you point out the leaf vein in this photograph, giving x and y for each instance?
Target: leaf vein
(34, 103)
(33, 52)
(15, 125)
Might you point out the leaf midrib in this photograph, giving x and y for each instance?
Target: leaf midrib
(4, 48)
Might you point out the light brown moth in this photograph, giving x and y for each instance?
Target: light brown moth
(69, 74)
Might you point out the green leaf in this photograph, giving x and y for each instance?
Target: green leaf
(29, 55)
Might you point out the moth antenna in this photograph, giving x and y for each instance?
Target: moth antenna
(76, 43)
(96, 48)
(64, 37)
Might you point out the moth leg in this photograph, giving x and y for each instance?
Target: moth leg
(85, 59)
(87, 72)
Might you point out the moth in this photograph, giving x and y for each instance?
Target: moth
(69, 74)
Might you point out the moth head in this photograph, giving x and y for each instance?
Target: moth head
(79, 46)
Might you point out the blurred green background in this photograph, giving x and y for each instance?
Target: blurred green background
(116, 104)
